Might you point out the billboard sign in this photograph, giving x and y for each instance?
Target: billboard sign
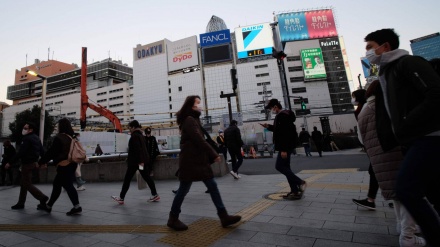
(215, 38)
(255, 40)
(182, 54)
(313, 64)
(371, 71)
(307, 25)
(150, 50)
(215, 54)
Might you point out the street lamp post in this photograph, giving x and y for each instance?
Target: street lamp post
(43, 102)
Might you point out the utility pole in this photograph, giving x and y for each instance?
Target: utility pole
(359, 79)
(228, 96)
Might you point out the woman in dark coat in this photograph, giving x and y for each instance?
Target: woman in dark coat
(59, 152)
(195, 158)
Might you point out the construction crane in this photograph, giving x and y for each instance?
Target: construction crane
(85, 99)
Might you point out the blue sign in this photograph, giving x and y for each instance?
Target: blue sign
(293, 26)
(215, 38)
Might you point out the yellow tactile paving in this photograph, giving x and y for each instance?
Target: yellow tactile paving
(87, 228)
(339, 186)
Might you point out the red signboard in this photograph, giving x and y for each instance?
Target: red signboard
(320, 23)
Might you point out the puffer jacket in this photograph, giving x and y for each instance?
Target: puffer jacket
(385, 164)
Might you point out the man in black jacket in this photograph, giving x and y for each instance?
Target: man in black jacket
(152, 148)
(234, 143)
(29, 152)
(138, 159)
(285, 138)
(9, 153)
(411, 90)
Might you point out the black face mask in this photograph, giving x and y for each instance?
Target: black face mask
(148, 132)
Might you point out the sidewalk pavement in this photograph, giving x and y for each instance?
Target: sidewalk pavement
(325, 216)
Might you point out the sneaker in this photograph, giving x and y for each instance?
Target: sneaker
(238, 175)
(365, 203)
(293, 196)
(155, 198)
(81, 188)
(414, 241)
(303, 186)
(17, 206)
(44, 207)
(234, 174)
(74, 211)
(118, 199)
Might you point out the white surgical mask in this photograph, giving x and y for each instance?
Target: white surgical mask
(372, 56)
(199, 107)
(354, 102)
(24, 132)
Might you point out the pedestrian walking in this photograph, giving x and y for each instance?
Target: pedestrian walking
(8, 154)
(59, 153)
(304, 138)
(138, 160)
(411, 90)
(222, 145)
(98, 150)
(29, 152)
(234, 143)
(318, 140)
(385, 156)
(195, 160)
(285, 140)
(152, 147)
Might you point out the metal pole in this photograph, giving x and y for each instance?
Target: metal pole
(229, 110)
(43, 110)
(359, 79)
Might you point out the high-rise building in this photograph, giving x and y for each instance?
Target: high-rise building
(427, 47)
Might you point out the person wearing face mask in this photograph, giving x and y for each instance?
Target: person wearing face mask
(152, 147)
(234, 143)
(195, 164)
(358, 100)
(285, 139)
(411, 90)
(29, 152)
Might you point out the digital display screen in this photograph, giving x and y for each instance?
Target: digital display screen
(215, 54)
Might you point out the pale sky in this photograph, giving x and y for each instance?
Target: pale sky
(31, 27)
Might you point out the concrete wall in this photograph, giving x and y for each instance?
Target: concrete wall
(115, 171)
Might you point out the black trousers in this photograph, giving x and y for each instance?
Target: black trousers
(63, 179)
(373, 187)
(131, 170)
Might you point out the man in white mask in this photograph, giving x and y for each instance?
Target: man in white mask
(411, 90)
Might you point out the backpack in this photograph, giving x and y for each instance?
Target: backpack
(77, 154)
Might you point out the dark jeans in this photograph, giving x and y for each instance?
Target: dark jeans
(419, 170)
(184, 189)
(307, 149)
(283, 166)
(224, 151)
(63, 179)
(26, 184)
(236, 158)
(373, 187)
(131, 170)
(4, 172)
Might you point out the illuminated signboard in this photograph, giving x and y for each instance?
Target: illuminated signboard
(215, 38)
(307, 25)
(182, 54)
(255, 40)
(215, 54)
(313, 64)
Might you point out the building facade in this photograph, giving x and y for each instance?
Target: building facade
(427, 47)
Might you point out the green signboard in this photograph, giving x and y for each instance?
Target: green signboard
(313, 64)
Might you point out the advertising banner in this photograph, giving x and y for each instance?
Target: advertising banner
(307, 25)
(215, 54)
(150, 50)
(215, 38)
(371, 71)
(255, 40)
(182, 54)
(313, 64)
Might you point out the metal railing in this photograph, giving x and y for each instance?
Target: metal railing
(125, 155)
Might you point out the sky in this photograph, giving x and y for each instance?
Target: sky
(114, 27)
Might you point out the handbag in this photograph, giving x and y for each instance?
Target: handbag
(210, 141)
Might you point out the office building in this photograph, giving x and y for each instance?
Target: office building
(427, 47)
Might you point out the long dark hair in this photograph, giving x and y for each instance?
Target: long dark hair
(359, 95)
(187, 110)
(65, 127)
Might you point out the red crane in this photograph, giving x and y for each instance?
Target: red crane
(85, 99)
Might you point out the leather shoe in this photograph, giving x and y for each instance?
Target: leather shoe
(17, 206)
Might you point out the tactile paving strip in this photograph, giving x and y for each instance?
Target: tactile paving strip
(87, 228)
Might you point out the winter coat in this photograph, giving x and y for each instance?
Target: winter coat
(59, 150)
(385, 164)
(152, 148)
(8, 154)
(233, 139)
(284, 131)
(30, 150)
(195, 152)
(304, 137)
(412, 90)
(137, 150)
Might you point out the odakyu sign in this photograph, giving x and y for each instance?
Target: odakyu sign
(215, 38)
(306, 25)
(150, 50)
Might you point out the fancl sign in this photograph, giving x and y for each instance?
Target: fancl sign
(215, 38)
(145, 51)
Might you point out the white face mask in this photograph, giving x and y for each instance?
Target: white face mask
(199, 108)
(372, 56)
(354, 102)
(24, 132)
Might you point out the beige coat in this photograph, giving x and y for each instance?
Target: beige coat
(385, 164)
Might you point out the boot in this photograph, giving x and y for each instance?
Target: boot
(175, 224)
(226, 219)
